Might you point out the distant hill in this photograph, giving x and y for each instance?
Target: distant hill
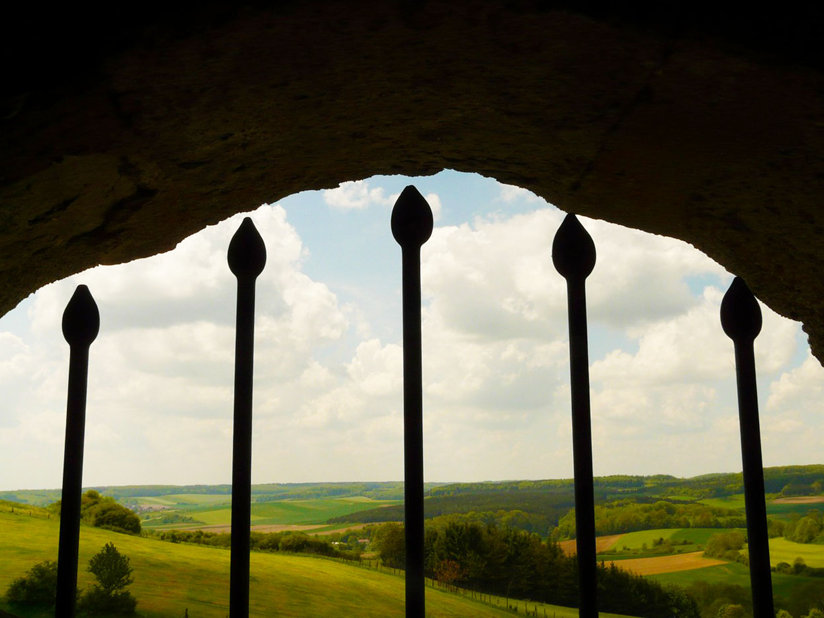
(540, 502)
(538, 506)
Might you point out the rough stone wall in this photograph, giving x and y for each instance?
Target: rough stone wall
(687, 124)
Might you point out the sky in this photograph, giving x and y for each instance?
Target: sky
(328, 364)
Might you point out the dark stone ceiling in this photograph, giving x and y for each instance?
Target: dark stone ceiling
(127, 130)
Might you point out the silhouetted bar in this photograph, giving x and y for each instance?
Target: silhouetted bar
(741, 321)
(81, 323)
(573, 254)
(412, 226)
(247, 257)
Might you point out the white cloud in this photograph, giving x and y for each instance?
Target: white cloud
(511, 193)
(328, 390)
(356, 195)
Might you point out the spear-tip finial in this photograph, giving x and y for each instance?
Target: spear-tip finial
(81, 319)
(247, 252)
(740, 313)
(412, 220)
(573, 252)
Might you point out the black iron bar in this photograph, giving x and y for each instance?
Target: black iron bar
(412, 225)
(741, 321)
(247, 257)
(573, 254)
(81, 323)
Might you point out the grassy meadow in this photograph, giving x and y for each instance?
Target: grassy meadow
(171, 578)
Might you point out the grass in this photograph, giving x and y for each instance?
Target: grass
(170, 578)
(289, 512)
(641, 544)
(736, 574)
(782, 550)
(183, 500)
(735, 501)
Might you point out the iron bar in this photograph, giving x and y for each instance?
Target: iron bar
(246, 257)
(573, 254)
(412, 225)
(81, 324)
(741, 321)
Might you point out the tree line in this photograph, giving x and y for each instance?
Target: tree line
(806, 529)
(517, 564)
(630, 516)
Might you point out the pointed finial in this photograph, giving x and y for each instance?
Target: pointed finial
(247, 252)
(573, 252)
(81, 319)
(740, 313)
(412, 220)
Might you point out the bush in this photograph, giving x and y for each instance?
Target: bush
(37, 587)
(97, 601)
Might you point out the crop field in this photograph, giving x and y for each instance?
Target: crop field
(278, 512)
(602, 544)
(667, 564)
(642, 544)
(781, 508)
(183, 500)
(170, 578)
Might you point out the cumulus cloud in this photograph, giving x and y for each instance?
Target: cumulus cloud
(356, 195)
(328, 389)
(359, 195)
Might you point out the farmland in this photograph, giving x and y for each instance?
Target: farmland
(171, 578)
(661, 526)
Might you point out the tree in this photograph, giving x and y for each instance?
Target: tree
(111, 569)
(391, 542)
(113, 573)
(37, 587)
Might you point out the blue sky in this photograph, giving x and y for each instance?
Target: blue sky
(328, 402)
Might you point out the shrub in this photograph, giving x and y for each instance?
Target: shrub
(97, 601)
(37, 587)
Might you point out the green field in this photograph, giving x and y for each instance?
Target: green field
(170, 578)
(287, 512)
(735, 501)
(733, 573)
(782, 550)
(642, 544)
(779, 510)
(183, 500)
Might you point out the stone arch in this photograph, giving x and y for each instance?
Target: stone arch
(124, 133)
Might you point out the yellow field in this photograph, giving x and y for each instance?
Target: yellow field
(667, 564)
(602, 543)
